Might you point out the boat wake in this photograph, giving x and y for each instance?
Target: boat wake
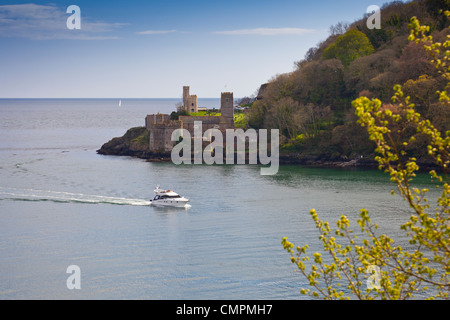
(66, 197)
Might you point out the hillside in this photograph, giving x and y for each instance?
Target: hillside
(311, 106)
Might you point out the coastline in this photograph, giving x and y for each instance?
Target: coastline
(134, 143)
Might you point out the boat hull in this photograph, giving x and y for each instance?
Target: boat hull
(167, 198)
(169, 203)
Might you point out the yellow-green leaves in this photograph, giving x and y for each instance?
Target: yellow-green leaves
(401, 273)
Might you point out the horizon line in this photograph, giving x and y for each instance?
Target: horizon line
(112, 98)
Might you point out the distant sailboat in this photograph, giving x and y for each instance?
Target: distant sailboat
(120, 102)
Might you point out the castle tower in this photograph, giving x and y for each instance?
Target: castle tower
(227, 110)
(227, 105)
(190, 103)
(193, 104)
(185, 96)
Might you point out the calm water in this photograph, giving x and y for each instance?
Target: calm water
(62, 204)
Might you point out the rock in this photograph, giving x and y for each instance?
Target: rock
(132, 143)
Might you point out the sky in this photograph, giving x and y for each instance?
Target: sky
(151, 49)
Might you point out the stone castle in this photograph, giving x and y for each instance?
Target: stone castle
(161, 126)
(190, 103)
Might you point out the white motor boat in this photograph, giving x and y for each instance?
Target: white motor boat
(168, 198)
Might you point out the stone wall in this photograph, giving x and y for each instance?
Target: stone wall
(227, 105)
(160, 136)
(208, 122)
(161, 127)
(152, 119)
(190, 102)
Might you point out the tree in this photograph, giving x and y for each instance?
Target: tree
(339, 28)
(351, 140)
(176, 114)
(361, 71)
(279, 87)
(413, 63)
(348, 47)
(421, 92)
(257, 114)
(391, 271)
(282, 114)
(318, 82)
(310, 117)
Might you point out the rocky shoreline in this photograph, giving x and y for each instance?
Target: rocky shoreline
(313, 161)
(135, 144)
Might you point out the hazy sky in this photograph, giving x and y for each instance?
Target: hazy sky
(150, 49)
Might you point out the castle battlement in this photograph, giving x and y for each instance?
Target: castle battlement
(190, 102)
(161, 126)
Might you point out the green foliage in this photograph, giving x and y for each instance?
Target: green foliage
(240, 120)
(176, 114)
(143, 139)
(205, 113)
(134, 133)
(257, 115)
(435, 6)
(300, 138)
(394, 20)
(349, 46)
(378, 37)
(400, 272)
(318, 82)
(318, 94)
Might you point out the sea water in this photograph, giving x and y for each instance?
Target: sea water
(62, 204)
